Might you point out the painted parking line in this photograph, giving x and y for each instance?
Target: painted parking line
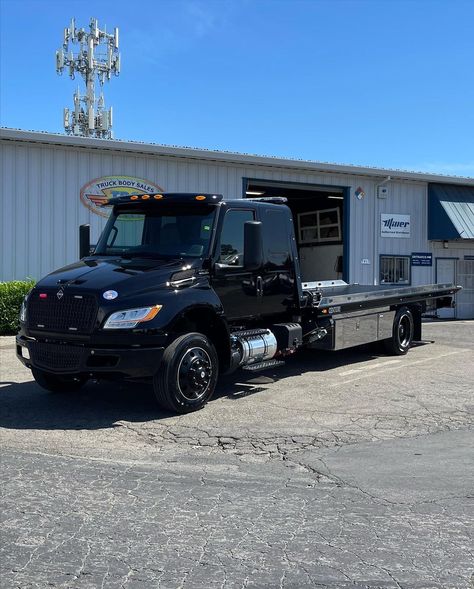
(369, 367)
(362, 371)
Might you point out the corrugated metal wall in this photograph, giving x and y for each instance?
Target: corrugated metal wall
(41, 210)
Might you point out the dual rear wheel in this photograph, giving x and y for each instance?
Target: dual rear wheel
(402, 333)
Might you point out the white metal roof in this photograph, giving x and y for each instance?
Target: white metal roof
(225, 156)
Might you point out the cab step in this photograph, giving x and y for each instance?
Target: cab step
(258, 366)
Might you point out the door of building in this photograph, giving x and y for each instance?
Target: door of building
(465, 297)
(446, 273)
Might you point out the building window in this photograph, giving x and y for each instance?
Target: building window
(319, 226)
(395, 270)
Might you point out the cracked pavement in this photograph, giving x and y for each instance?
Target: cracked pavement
(350, 469)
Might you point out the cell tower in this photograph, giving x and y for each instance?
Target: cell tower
(89, 118)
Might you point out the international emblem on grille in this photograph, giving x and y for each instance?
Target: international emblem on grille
(60, 294)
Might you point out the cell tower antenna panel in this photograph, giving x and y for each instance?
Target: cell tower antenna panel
(96, 58)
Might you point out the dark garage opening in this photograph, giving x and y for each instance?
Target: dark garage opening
(319, 222)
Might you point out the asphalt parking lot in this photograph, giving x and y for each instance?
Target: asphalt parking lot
(350, 469)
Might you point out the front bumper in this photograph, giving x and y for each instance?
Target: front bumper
(96, 362)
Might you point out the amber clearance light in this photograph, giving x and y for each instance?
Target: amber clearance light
(200, 197)
(134, 197)
(158, 196)
(145, 197)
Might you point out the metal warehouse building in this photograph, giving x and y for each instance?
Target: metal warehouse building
(362, 225)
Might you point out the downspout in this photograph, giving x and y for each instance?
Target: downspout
(376, 257)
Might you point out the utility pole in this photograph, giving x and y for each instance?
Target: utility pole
(97, 56)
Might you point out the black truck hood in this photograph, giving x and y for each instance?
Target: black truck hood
(126, 276)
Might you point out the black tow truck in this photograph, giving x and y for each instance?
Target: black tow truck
(182, 287)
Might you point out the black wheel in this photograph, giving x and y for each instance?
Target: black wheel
(55, 383)
(402, 335)
(188, 373)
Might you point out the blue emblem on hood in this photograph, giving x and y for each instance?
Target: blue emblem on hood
(109, 295)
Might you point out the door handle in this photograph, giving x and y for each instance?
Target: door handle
(259, 284)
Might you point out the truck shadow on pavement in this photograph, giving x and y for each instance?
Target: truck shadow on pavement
(101, 404)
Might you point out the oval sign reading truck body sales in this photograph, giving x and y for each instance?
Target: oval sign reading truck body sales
(97, 192)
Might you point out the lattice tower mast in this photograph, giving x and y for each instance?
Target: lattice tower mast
(97, 57)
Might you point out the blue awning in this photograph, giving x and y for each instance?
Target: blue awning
(450, 211)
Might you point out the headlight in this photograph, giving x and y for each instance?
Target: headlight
(23, 310)
(131, 317)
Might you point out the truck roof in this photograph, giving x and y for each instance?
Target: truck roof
(176, 197)
(188, 198)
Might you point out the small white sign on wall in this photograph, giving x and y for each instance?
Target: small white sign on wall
(395, 225)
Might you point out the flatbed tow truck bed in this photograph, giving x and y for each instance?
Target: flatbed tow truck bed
(349, 297)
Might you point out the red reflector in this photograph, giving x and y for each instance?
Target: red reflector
(43, 295)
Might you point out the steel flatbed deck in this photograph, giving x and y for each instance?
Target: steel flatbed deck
(339, 297)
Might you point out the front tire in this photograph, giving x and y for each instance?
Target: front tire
(188, 374)
(58, 384)
(402, 335)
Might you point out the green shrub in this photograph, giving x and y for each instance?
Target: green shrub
(11, 297)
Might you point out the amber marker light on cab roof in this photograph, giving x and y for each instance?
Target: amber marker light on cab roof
(158, 196)
(200, 197)
(145, 197)
(134, 197)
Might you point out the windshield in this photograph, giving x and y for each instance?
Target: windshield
(181, 233)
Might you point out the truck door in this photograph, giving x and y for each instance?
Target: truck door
(277, 286)
(235, 286)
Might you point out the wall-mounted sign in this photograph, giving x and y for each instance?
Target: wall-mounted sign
(421, 259)
(395, 225)
(97, 192)
(359, 193)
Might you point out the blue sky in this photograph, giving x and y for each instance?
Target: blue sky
(387, 83)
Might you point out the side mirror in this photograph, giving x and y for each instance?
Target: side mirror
(253, 245)
(84, 241)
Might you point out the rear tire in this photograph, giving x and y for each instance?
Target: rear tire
(58, 384)
(402, 335)
(187, 375)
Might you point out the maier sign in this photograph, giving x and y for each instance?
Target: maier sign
(394, 225)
